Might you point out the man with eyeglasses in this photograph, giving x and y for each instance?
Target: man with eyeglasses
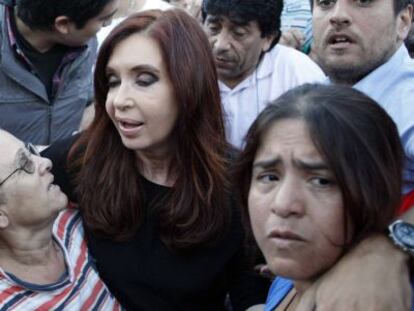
(44, 261)
(47, 51)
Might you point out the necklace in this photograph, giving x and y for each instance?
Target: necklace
(290, 303)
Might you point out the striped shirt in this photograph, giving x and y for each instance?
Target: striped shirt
(79, 289)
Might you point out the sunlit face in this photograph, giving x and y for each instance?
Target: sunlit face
(79, 37)
(236, 46)
(352, 38)
(295, 206)
(140, 98)
(29, 198)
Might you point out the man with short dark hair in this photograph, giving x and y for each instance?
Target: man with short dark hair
(252, 68)
(361, 44)
(48, 49)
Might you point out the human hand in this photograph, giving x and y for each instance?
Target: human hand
(264, 271)
(373, 276)
(293, 38)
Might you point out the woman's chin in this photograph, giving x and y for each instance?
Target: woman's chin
(291, 269)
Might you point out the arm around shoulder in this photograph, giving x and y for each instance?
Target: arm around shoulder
(357, 281)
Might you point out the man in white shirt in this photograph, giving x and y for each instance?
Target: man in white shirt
(253, 70)
(372, 59)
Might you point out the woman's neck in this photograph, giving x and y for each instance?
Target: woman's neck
(157, 168)
(301, 286)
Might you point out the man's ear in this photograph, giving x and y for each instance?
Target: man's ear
(268, 40)
(404, 22)
(62, 24)
(4, 219)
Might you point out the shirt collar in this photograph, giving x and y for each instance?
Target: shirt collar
(266, 65)
(395, 61)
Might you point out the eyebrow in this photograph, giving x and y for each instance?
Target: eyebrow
(310, 166)
(303, 165)
(239, 23)
(267, 163)
(137, 68)
(213, 18)
(219, 18)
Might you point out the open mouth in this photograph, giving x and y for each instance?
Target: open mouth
(129, 125)
(339, 40)
(51, 185)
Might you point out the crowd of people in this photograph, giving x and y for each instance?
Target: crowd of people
(206, 155)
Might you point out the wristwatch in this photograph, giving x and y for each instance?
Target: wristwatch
(402, 234)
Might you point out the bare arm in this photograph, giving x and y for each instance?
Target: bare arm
(373, 276)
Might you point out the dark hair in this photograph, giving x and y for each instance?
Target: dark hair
(41, 14)
(399, 5)
(356, 138)
(109, 190)
(265, 12)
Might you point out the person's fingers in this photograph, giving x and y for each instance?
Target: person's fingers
(293, 38)
(264, 271)
(298, 36)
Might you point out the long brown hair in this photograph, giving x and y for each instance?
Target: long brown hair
(197, 210)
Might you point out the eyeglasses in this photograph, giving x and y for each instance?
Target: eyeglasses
(26, 164)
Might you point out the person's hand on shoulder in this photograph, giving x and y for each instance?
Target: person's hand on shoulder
(293, 38)
(373, 276)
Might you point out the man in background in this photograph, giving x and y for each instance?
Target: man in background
(48, 49)
(252, 68)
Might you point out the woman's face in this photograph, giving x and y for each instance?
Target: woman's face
(295, 206)
(140, 98)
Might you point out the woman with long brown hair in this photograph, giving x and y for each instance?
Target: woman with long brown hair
(150, 174)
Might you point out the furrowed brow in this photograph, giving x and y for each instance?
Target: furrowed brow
(310, 166)
(267, 163)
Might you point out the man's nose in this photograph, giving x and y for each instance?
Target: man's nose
(222, 41)
(341, 14)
